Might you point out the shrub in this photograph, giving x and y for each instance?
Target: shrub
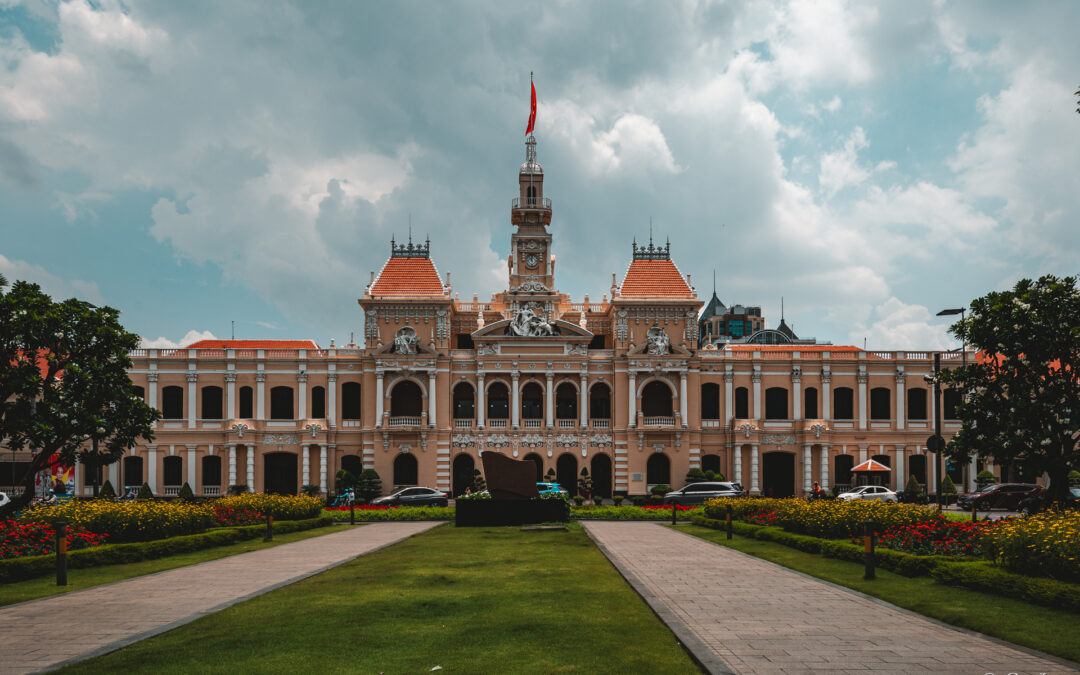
(985, 478)
(550, 476)
(947, 486)
(282, 507)
(984, 577)
(185, 494)
(368, 485)
(379, 513)
(585, 483)
(938, 536)
(822, 518)
(631, 512)
(343, 480)
(660, 490)
(311, 490)
(912, 489)
(1074, 478)
(696, 476)
(478, 484)
(145, 492)
(618, 499)
(1044, 545)
(107, 491)
(578, 500)
(28, 539)
(126, 521)
(238, 490)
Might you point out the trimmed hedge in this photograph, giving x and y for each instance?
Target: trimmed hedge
(983, 576)
(20, 569)
(400, 513)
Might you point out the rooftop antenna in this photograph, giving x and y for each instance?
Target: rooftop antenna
(781, 309)
(233, 329)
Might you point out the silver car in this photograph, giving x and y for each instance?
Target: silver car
(697, 493)
(869, 492)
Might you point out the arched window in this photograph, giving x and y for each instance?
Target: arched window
(742, 403)
(133, 472)
(406, 400)
(710, 401)
(656, 400)
(532, 402)
(281, 403)
(498, 402)
(464, 402)
(810, 409)
(880, 404)
(916, 404)
(211, 403)
(539, 462)
(172, 469)
(949, 406)
(776, 403)
(600, 402)
(351, 409)
(566, 402)
(842, 466)
(318, 403)
(405, 470)
(843, 403)
(211, 470)
(172, 403)
(658, 469)
(246, 409)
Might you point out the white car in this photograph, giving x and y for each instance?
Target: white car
(4, 498)
(869, 492)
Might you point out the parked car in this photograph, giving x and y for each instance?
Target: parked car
(869, 492)
(1036, 503)
(4, 499)
(415, 496)
(999, 496)
(697, 493)
(550, 488)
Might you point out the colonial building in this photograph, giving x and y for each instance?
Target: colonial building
(618, 386)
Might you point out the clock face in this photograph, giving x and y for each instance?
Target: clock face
(531, 260)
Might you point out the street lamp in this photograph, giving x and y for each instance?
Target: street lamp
(936, 443)
(962, 311)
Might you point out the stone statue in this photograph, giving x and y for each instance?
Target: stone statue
(527, 324)
(658, 342)
(405, 341)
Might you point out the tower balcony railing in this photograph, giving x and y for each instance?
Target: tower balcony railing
(531, 203)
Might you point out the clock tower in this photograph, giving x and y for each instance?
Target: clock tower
(531, 264)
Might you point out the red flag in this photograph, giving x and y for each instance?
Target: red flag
(532, 109)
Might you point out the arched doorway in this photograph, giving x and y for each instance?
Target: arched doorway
(601, 475)
(566, 473)
(279, 473)
(658, 470)
(778, 474)
(842, 465)
(406, 471)
(539, 461)
(463, 468)
(406, 400)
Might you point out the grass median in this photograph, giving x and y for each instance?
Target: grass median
(1049, 630)
(79, 579)
(464, 599)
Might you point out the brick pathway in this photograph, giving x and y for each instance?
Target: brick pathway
(41, 635)
(737, 613)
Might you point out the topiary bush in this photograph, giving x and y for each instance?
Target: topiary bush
(185, 494)
(145, 492)
(948, 488)
(107, 491)
(660, 490)
(238, 489)
(985, 478)
(368, 485)
(696, 476)
(1074, 478)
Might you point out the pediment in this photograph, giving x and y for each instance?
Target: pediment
(562, 330)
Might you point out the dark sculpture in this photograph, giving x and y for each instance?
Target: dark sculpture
(509, 478)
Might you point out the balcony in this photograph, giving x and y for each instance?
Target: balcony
(532, 424)
(398, 422)
(538, 204)
(211, 490)
(600, 423)
(657, 421)
(496, 424)
(463, 423)
(566, 424)
(172, 490)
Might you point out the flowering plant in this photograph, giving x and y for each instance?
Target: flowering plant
(25, 539)
(938, 536)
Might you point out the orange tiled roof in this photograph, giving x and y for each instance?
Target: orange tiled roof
(253, 344)
(743, 347)
(408, 276)
(654, 279)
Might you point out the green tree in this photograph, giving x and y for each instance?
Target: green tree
(984, 478)
(912, 489)
(63, 382)
(1023, 400)
(478, 484)
(107, 491)
(696, 476)
(585, 483)
(368, 485)
(186, 494)
(145, 492)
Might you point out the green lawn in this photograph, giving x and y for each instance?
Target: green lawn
(1048, 630)
(95, 576)
(472, 600)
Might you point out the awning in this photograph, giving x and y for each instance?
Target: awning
(871, 465)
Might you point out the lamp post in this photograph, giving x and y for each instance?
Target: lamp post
(962, 311)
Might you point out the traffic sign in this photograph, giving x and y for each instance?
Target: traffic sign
(935, 443)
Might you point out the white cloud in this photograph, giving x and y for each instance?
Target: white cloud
(634, 144)
(190, 337)
(896, 325)
(842, 169)
(57, 287)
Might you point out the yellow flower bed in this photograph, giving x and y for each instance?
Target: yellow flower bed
(126, 521)
(282, 507)
(1045, 545)
(821, 518)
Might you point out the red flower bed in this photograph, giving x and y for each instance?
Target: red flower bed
(937, 537)
(667, 507)
(228, 516)
(362, 507)
(765, 517)
(23, 539)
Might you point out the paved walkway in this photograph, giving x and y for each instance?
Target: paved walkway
(44, 634)
(737, 613)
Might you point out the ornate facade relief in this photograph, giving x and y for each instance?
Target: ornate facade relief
(778, 439)
(600, 440)
(498, 441)
(463, 441)
(566, 441)
(442, 324)
(280, 439)
(532, 441)
(526, 323)
(621, 325)
(406, 341)
(657, 340)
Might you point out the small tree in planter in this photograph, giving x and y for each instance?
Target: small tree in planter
(618, 499)
(343, 480)
(185, 494)
(585, 483)
(1074, 478)
(107, 491)
(578, 499)
(985, 478)
(657, 493)
(478, 484)
(912, 490)
(369, 485)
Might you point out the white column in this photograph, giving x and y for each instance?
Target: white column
(862, 378)
(191, 467)
(260, 396)
(973, 471)
(251, 468)
(729, 397)
(683, 406)
(754, 470)
(151, 468)
(305, 462)
(230, 396)
(481, 401)
(632, 400)
(151, 381)
(322, 468)
(114, 476)
(515, 396)
(796, 393)
(898, 470)
(232, 465)
(862, 453)
(824, 467)
(549, 401)
(192, 400)
(583, 401)
(901, 415)
(378, 400)
(432, 400)
(807, 468)
(826, 397)
(301, 398)
(736, 464)
(758, 411)
(331, 403)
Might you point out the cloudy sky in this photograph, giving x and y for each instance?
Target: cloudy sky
(198, 163)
